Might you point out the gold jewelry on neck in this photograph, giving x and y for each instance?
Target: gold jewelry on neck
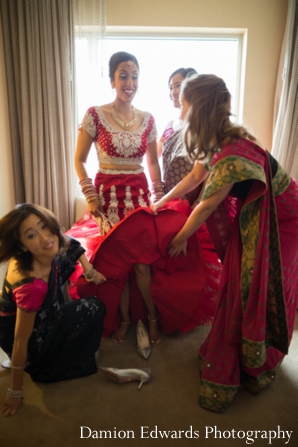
(125, 126)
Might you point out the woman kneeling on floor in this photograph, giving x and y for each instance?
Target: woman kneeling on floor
(42, 334)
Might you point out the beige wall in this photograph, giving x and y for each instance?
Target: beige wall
(265, 21)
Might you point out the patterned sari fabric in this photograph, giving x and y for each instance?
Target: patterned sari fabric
(258, 296)
(66, 335)
(176, 163)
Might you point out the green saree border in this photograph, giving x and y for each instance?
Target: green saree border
(232, 169)
(280, 181)
(254, 353)
(256, 384)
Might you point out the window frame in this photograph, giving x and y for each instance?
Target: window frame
(193, 33)
(157, 33)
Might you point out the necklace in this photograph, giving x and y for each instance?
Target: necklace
(125, 126)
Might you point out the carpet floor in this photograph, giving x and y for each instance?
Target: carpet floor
(165, 412)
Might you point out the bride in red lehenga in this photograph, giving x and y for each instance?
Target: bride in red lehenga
(142, 281)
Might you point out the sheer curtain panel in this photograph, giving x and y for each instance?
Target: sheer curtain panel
(285, 140)
(91, 64)
(39, 55)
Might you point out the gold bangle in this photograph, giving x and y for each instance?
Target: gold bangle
(88, 271)
(92, 200)
(93, 277)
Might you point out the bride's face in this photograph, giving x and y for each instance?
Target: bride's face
(126, 81)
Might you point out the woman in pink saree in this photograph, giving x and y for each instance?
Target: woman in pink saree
(251, 208)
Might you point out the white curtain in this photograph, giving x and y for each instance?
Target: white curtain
(285, 139)
(39, 45)
(91, 64)
(90, 34)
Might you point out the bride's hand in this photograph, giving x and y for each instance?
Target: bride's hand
(95, 208)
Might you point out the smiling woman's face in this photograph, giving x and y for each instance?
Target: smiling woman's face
(126, 81)
(175, 87)
(36, 237)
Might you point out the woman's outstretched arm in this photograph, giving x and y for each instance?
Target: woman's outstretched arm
(196, 176)
(199, 215)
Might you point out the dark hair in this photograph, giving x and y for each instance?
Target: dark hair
(10, 245)
(185, 73)
(208, 124)
(117, 58)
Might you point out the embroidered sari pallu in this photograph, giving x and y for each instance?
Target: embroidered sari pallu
(257, 304)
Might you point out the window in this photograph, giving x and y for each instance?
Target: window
(159, 55)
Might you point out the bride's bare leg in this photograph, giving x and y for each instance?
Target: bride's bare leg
(120, 334)
(143, 278)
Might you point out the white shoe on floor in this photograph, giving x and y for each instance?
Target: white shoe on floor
(143, 343)
(6, 364)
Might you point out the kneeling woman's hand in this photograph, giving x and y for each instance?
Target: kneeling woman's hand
(11, 405)
(98, 278)
(94, 276)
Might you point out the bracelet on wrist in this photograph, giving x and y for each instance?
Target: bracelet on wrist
(15, 394)
(88, 189)
(88, 271)
(93, 277)
(92, 200)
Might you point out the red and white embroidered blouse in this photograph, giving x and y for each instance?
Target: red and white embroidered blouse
(118, 147)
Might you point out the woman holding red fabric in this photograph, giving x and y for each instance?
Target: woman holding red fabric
(251, 208)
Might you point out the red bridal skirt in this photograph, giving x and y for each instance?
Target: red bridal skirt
(184, 288)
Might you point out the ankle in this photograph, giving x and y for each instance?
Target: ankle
(152, 319)
(127, 322)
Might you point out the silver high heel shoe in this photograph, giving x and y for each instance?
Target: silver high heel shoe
(143, 348)
(127, 375)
